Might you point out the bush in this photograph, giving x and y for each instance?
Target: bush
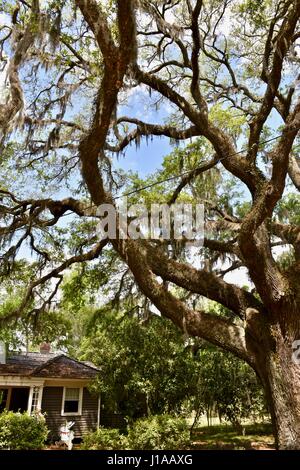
(104, 439)
(161, 432)
(20, 431)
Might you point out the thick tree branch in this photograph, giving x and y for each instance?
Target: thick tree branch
(283, 42)
(146, 129)
(254, 240)
(201, 282)
(116, 63)
(218, 331)
(195, 89)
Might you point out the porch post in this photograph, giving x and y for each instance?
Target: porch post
(8, 397)
(99, 411)
(30, 400)
(39, 404)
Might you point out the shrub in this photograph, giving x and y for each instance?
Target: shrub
(104, 439)
(161, 432)
(20, 431)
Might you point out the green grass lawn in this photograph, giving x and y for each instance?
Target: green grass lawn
(257, 437)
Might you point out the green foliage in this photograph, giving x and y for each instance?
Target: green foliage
(255, 11)
(228, 386)
(227, 120)
(164, 432)
(30, 329)
(80, 287)
(160, 432)
(288, 209)
(104, 439)
(180, 160)
(286, 259)
(144, 363)
(148, 367)
(20, 431)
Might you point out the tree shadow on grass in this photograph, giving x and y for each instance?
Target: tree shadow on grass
(226, 437)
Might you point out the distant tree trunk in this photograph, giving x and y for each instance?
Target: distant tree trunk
(196, 418)
(208, 416)
(147, 404)
(238, 426)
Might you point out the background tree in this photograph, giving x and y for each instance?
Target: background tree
(146, 367)
(57, 159)
(228, 388)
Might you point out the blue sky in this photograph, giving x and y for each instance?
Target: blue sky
(146, 158)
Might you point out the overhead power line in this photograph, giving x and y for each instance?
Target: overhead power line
(185, 173)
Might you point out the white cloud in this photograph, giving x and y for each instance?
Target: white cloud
(4, 19)
(4, 90)
(239, 277)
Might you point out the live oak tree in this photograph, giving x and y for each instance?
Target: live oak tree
(146, 367)
(70, 68)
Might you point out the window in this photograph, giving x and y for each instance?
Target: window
(72, 401)
(35, 399)
(3, 398)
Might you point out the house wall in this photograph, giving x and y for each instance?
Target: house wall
(52, 403)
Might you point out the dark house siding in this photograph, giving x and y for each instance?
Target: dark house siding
(51, 405)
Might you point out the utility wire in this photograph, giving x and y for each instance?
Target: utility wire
(150, 185)
(171, 178)
(179, 175)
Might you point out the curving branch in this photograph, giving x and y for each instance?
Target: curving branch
(191, 175)
(215, 329)
(146, 129)
(54, 273)
(254, 240)
(201, 282)
(195, 89)
(283, 41)
(117, 60)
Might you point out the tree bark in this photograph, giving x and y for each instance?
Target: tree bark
(280, 374)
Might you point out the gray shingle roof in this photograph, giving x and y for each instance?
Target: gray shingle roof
(47, 365)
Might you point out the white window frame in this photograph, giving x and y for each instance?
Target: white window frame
(38, 404)
(74, 413)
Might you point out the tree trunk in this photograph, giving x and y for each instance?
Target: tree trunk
(281, 380)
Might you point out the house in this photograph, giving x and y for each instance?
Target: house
(54, 384)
